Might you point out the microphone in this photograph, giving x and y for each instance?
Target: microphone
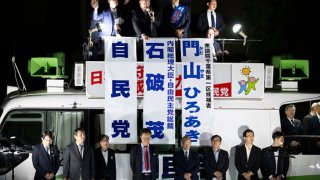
(150, 12)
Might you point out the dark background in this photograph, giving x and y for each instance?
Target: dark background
(35, 28)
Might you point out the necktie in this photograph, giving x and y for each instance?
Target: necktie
(47, 149)
(81, 150)
(146, 158)
(213, 24)
(186, 154)
(292, 122)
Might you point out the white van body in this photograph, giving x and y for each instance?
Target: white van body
(232, 117)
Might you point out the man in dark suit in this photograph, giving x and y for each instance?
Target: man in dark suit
(144, 158)
(111, 22)
(176, 20)
(78, 159)
(105, 160)
(45, 158)
(186, 162)
(210, 19)
(272, 158)
(311, 126)
(215, 160)
(292, 126)
(144, 20)
(248, 158)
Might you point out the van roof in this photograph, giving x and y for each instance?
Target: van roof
(72, 99)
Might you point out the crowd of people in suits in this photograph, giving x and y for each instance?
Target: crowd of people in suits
(80, 161)
(143, 21)
(295, 129)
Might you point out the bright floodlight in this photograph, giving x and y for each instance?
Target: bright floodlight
(237, 29)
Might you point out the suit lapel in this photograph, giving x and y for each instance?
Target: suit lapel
(251, 155)
(273, 160)
(76, 151)
(43, 151)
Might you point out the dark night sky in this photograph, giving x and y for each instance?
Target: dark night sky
(32, 28)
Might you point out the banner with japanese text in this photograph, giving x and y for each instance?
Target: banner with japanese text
(121, 90)
(159, 89)
(197, 89)
(95, 79)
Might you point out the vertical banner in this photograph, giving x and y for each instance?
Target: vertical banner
(95, 79)
(159, 89)
(197, 90)
(121, 90)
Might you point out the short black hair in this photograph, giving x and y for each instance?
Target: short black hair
(214, 136)
(46, 133)
(277, 134)
(247, 131)
(145, 131)
(208, 1)
(103, 136)
(77, 130)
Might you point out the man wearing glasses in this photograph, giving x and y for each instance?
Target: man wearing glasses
(215, 160)
(144, 158)
(45, 158)
(248, 157)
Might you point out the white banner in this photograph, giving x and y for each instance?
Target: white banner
(121, 90)
(197, 89)
(159, 89)
(95, 79)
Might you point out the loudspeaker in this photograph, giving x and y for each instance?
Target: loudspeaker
(46, 67)
(293, 69)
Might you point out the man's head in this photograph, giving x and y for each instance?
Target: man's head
(174, 1)
(144, 4)
(145, 136)
(103, 141)
(113, 3)
(79, 135)
(216, 141)
(212, 4)
(314, 107)
(318, 108)
(290, 111)
(248, 136)
(278, 138)
(186, 143)
(46, 138)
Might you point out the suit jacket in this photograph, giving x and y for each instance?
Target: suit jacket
(107, 19)
(103, 170)
(244, 165)
(74, 165)
(311, 124)
(142, 23)
(289, 129)
(183, 165)
(136, 162)
(203, 23)
(211, 165)
(184, 23)
(268, 165)
(43, 162)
